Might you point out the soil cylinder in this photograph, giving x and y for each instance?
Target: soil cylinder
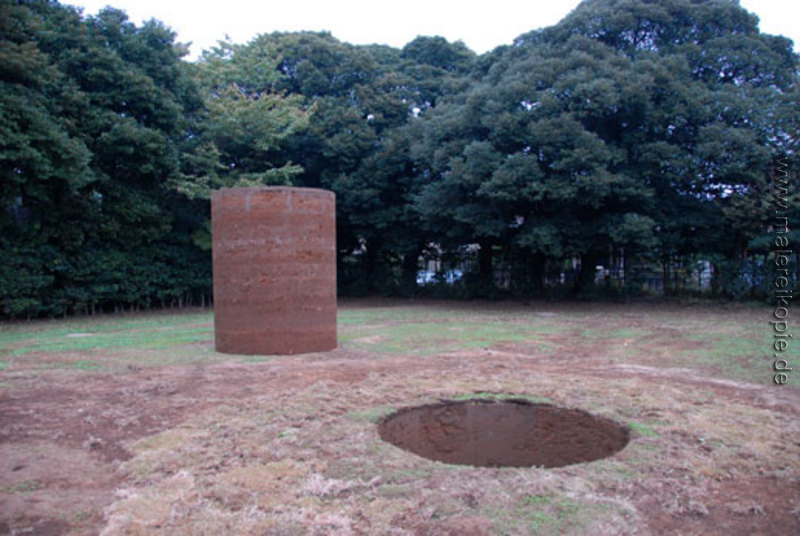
(274, 262)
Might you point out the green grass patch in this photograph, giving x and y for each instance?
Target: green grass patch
(372, 315)
(713, 344)
(487, 395)
(24, 486)
(730, 351)
(535, 500)
(155, 338)
(444, 334)
(108, 343)
(56, 329)
(257, 359)
(85, 364)
(617, 333)
(372, 415)
(642, 429)
(546, 515)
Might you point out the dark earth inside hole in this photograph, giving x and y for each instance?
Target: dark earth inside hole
(507, 433)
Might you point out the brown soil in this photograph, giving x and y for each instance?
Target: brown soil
(510, 433)
(274, 259)
(67, 440)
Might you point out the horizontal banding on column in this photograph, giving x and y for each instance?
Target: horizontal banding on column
(274, 260)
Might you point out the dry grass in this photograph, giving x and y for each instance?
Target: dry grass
(296, 450)
(310, 462)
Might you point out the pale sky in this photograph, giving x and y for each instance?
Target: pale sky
(481, 26)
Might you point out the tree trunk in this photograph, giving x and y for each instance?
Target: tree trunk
(370, 263)
(588, 271)
(410, 269)
(538, 265)
(485, 257)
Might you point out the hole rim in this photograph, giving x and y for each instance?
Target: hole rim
(622, 428)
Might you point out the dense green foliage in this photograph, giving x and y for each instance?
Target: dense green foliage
(634, 134)
(97, 118)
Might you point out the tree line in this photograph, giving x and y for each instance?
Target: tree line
(633, 133)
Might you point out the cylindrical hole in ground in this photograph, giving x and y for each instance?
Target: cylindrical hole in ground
(507, 433)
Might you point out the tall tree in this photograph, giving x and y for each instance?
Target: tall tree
(96, 111)
(630, 124)
(248, 116)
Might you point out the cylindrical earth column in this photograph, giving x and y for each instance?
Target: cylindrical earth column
(274, 252)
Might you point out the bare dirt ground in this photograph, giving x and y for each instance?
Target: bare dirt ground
(288, 445)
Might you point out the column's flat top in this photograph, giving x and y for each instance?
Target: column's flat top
(224, 192)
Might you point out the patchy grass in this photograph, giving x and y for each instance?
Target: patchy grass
(108, 343)
(539, 514)
(725, 345)
(372, 415)
(160, 337)
(443, 335)
(294, 448)
(311, 469)
(486, 395)
(85, 364)
(24, 486)
(427, 330)
(642, 429)
(308, 467)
